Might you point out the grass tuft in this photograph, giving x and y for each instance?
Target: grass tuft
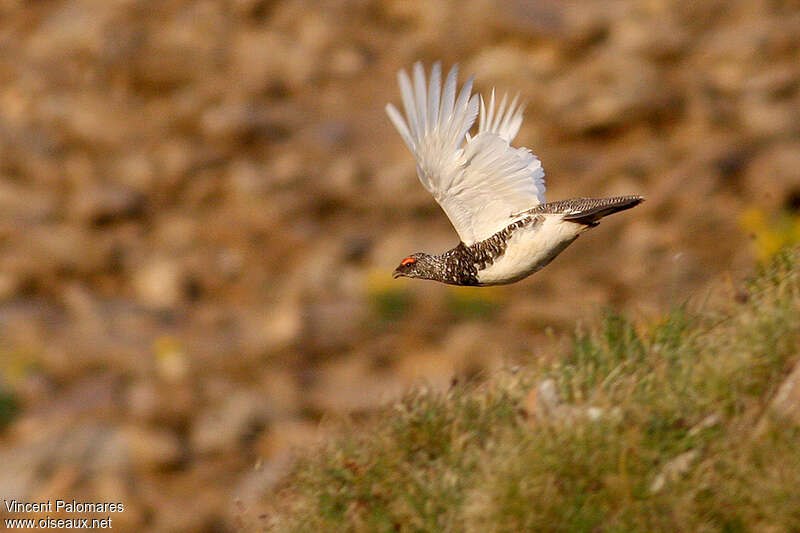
(687, 391)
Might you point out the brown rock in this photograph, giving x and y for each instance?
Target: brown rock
(62, 248)
(151, 449)
(104, 204)
(773, 175)
(159, 283)
(350, 386)
(611, 93)
(331, 326)
(347, 61)
(221, 429)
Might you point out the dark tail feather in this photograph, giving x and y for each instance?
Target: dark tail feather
(603, 207)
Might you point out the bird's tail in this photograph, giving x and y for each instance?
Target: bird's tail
(597, 208)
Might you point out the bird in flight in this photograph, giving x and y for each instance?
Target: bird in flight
(492, 192)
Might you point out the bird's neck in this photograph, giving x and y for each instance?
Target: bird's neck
(455, 266)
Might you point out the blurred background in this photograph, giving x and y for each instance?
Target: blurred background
(201, 203)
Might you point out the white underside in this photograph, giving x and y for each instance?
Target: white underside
(530, 249)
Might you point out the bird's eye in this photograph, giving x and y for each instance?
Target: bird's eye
(408, 261)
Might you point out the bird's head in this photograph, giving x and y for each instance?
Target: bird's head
(417, 265)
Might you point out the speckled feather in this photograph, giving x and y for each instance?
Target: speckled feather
(576, 208)
(460, 265)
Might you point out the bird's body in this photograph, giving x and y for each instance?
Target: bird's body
(492, 192)
(534, 242)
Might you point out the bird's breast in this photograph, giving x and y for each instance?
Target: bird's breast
(529, 249)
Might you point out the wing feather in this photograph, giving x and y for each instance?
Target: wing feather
(449, 97)
(421, 98)
(478, 181)
(434, 89)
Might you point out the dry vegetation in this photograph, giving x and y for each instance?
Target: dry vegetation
(201, 202)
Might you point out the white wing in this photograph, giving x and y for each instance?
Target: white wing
(478, 181)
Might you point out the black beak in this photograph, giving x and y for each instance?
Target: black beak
(397, 274)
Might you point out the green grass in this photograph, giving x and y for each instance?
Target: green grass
(475, 459)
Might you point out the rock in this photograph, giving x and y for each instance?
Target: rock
(86, 448)
(96, 448)
(21, 204)
(257, 58)
(277, 449)
(178, 232)
(151, 449)
(265, 475)
(10, 284)
(293, 58)
(137, 171)
(75, 28)
(659, 37)
(161, 402)
(506, 64)
(142, 400)
(467, 343)
(273, 329)
(286, 436)
(772, 176)
(223, 428)
(543, 404)
(768, 119)
(284, 169)
(247, 179)
(88, 119)
(351, 386)
(20, 472)
(436, 369)
(342, 178)
(610, 93)
(59, 479)
(332, 325)
(180, 49)
(159, 283)
(230, 121)
(58, 248)
(174, 158)
(111, 487)
(281, 389)
(347, 61)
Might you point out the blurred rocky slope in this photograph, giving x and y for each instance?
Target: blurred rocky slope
(201, 203)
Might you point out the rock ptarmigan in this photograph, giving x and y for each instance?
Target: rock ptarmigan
(492, 193)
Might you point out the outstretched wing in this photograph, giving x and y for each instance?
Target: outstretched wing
(506, 122)
(478, 181)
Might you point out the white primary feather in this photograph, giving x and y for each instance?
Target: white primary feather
(478, 181)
